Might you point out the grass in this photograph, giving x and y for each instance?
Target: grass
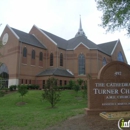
(36, 114)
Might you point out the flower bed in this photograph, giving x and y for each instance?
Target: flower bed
(115, 115)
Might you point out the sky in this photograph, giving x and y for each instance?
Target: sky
(60, 17)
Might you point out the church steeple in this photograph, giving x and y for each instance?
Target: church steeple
(80, 26)
(80, 31)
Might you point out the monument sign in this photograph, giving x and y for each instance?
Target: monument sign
(111, 90)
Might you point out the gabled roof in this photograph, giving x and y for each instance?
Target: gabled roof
(72, 43)
(56, 72)
(108, 47)
(61, 43)
(28, 38)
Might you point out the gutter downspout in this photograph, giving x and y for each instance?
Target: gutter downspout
(57, 57)
(97, 62)
(19, 66)
(90, 62)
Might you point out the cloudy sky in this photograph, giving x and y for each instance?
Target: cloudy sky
(60, 17)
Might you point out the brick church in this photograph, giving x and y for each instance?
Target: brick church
(31, 58)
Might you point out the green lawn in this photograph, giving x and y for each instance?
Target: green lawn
(37, 114)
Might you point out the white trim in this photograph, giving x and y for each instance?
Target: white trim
(115, 47)
(82, 75)
(13, 82)
(32, 65)
(70, 71)
(13, 32)
(46, 35)
(40, 67)
(83, 45)
(80, 44)
(24, 64)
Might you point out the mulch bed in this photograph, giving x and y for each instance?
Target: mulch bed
(115, 115)
(21, 103)
(84, 122)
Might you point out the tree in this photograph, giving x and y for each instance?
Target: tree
(22, 89)
(71, 83)
(76, 88)
(80, 81)
(51, 92)
(85, 89)
(116, 14)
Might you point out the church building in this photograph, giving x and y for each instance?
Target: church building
(31, 58)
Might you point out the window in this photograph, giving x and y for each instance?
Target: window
(104, 62)
(51, 59)
(120, 57)
(26, 81)
(60, 82)
(81, 63)
(4, 76)
(40, 56)
(33, 54)
(21, 81)
(61, 59)
(24, 52)
(65, 82)
(56, 83)
(43, 83)
(29, 81)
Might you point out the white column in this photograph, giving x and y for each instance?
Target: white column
(13, 82)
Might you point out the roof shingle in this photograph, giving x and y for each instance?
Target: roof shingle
(108, 47)
(28, 38)
(56, 72)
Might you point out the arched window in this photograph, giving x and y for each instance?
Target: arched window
(33, 54)
(81, 62)
(24, 52)
(104, 62)
(61, 59)
(51, 59)
(4, 76)
(40, 56)
(120, 57)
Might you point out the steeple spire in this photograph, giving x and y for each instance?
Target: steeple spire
(80, 31)
(80, 26)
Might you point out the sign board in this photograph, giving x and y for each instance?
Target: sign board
(111, 90)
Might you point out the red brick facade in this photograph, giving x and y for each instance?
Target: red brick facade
(24, 69)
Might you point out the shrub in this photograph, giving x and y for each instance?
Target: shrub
(76, 88)
(71, 84)
(80, 81)
(64, 87)
(6, 90)
(51, 92)
(37, 86)
(1, 93)
(12, 87)
(32, 86)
